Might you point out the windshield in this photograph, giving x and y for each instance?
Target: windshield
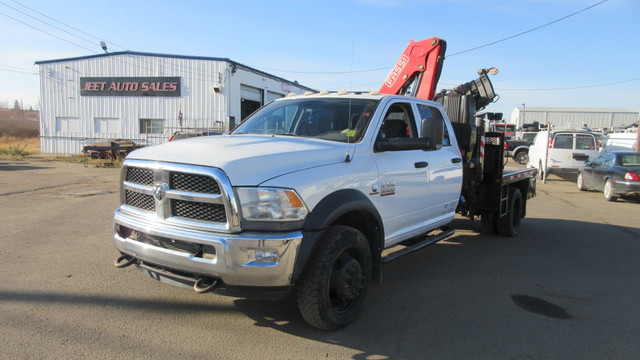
(342, 119)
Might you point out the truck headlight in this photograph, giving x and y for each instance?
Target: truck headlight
(271, 204)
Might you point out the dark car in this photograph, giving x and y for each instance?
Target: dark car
(519, 148)
(613, 173)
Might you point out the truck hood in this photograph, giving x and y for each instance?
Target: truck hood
(247, 160)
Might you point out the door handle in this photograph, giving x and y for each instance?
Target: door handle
(421, 164)
(456, 160)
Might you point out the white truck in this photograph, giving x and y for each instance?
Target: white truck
(303, 197)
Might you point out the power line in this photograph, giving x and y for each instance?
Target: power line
(44, 22)
(575, 87)
(55, 36)
(61, 23)
(2, 68)
(528, 31)
(454, 54)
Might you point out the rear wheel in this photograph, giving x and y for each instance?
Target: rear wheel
(580, 183)
(337, 281)
(522, 157)
(508, 225)
(609, 194)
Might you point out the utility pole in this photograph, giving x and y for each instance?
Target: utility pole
(637, 147)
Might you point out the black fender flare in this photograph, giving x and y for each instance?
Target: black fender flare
(326, 213)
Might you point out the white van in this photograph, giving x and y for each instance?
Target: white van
(619, 142)
(567, 151)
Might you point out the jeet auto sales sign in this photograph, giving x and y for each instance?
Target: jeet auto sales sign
(130, 86)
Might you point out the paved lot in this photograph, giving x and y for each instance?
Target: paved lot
(567, 288)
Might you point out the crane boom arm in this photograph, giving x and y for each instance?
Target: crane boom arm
(420, 64)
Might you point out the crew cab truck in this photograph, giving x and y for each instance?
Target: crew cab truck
(303, 197)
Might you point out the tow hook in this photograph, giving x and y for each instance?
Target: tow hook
(123, 261)
(204, 285)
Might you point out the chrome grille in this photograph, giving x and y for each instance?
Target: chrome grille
(140, 176)
(140, 201)
(199, 197)
(194, 183)
(198, 211)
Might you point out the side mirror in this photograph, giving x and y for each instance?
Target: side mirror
(433, 129)
(588, 163)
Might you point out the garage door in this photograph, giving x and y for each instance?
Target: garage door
(251, 93)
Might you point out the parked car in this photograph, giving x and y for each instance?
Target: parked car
(613, 173)
(110, 148)
(619, 142)
(518, 148)
(567, 151)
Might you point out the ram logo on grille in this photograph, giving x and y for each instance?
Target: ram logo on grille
(159, 191)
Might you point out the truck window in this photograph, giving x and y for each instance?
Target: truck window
(563, 141)
(585, 142)
(398, 122)
(330, 119)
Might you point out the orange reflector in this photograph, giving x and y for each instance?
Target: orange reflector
(294, 200)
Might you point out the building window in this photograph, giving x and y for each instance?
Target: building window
(68, 125)
(107, 125)
(151, 126)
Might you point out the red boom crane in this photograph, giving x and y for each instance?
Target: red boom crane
(420, 63)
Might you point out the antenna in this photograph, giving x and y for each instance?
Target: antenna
(349, 124)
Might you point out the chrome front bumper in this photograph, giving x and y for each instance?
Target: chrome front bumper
(238, 259)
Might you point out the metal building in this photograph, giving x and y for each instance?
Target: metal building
(568, 118)
(146, 97)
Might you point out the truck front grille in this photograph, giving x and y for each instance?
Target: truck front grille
(140, 201)
(194, 183)
(175, 193)
(140, 176)
(198, 211)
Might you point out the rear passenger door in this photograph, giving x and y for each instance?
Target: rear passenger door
(562, 154)
(445, 166)
(585, 149)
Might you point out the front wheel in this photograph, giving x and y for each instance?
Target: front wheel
(334, 287)
(609, 194)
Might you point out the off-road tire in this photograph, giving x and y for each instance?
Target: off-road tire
(508, 225)
(336, 282)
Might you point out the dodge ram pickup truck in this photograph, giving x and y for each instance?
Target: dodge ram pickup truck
(303, 196)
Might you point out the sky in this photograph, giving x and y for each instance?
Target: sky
(560, 53)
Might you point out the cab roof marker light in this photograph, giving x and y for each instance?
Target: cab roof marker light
(307, 93)
(324, 92)
(342, 92)
(373, 92)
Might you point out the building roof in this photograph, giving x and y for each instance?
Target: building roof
(187, 57)
(575, 109)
